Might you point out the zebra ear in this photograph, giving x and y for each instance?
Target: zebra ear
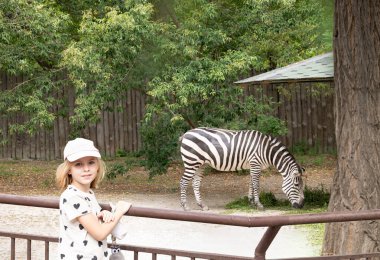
(303, 170)
(297, 174)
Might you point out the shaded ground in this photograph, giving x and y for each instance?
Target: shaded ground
(37, 178)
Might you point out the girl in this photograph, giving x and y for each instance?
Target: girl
(84, 227)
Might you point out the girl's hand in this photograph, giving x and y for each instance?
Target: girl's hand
(123, 207)
(106, 216)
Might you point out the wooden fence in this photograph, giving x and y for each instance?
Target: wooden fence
(307, 109)
(117, 130)
(309, 117)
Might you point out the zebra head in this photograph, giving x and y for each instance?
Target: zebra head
(293, 186)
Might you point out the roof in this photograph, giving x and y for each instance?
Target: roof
(315, 69)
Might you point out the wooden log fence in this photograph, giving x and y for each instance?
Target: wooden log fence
(307, 109)
(309, 118)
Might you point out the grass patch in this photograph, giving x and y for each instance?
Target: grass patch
(268, 200)
(315, 234)
(6, 170)
(315, 198)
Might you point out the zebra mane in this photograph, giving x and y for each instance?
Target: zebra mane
(273, 139)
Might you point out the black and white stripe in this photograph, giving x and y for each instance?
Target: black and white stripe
(227, 150)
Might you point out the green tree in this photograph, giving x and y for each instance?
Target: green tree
(209, 45)
(95, 45)
(32, 38)
(99, 62)
(185, 55)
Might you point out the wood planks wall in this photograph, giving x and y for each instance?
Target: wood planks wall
(308, 113)
(118, 128)
(309, 117)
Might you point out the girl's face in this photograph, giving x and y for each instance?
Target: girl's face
(83, 171)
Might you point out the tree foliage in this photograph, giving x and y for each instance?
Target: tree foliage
(32, 38)
(209, 45)
(99, 61)
(94, 45)
(185, 55)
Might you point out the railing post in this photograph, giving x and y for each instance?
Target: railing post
(46, 250)
(29, 249)
(265, 242)
(13, 248)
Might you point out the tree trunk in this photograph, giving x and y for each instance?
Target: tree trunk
(356, 184)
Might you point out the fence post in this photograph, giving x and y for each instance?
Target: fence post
(265, 242)
(13, 248)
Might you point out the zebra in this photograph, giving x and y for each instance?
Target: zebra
(228, 150)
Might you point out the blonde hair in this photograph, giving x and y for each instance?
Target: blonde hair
(63, 179)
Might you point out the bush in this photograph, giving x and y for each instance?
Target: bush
(241, 203)
(160, 144)
(121, 153)
(116, 170)
(316, 197)
(269, 200)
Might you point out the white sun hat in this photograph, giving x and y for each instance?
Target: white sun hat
(79, 148)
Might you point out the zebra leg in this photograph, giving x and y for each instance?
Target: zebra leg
(253, 194)
(183, 186)
(250, 192)
(197, 181)
(190, 171)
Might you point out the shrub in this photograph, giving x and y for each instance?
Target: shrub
(121, 153)
(316, 197)
(160, 144)
(116, 170)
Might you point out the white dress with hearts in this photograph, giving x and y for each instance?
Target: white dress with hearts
(75, 243)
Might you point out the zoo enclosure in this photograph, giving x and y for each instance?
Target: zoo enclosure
(309, 117)
(274, 223)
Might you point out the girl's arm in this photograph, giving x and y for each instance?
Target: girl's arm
(100, 231)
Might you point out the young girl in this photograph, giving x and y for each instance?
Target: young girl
(84, 227)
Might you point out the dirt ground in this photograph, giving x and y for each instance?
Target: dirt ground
(36, 178)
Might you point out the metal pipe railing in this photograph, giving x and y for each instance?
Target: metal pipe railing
(244, 221)
(273, 223)
(29, 238)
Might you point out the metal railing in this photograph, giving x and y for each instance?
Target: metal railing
(273, 224)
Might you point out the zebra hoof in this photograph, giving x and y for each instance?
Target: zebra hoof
(260, 207)
(185, 208)
(204, 208)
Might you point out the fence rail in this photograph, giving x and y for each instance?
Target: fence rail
(274, 224)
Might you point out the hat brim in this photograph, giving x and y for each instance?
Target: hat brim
(81, 154)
